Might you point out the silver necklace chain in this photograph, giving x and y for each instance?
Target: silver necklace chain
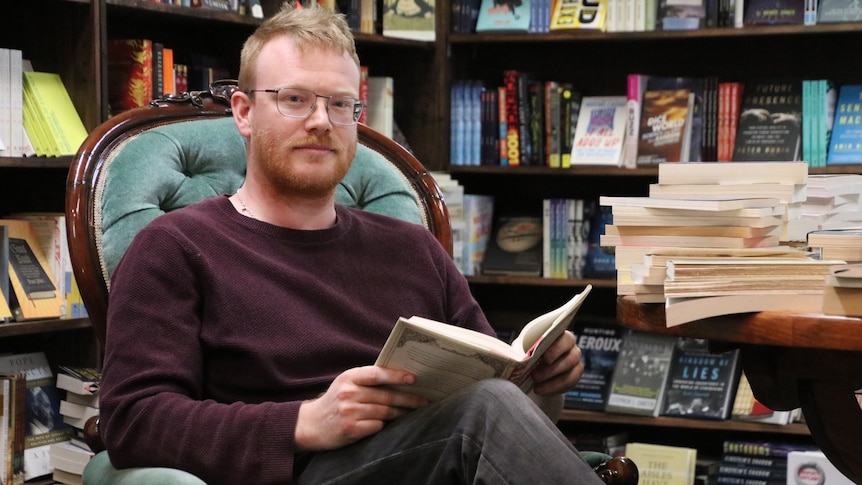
(244, 207)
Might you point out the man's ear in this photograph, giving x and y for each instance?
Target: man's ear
(240, 104)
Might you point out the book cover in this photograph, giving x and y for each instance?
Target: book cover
(600, 345)
(640, 375)
(663, 465)
(130, 73)
(409, 19)
(478, 216)
(579, 14)
(839, 11)
(770, 122)
(35, 293)
(812, 466)
(679, 311)
(665, 127)
(681, 15)
(446, 358)
(766, 449)
(793, 173)
(515, 245)
(600, 131)
(44, 422)
(774, 12)
(504, 16)
(845, 145)
(62, 122)
(701, 384)
(600, 261)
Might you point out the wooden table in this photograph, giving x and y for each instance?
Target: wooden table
(792, 361)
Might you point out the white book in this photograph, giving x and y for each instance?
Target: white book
(5, 103)
(381, 106)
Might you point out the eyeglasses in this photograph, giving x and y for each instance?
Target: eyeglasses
(300, 103)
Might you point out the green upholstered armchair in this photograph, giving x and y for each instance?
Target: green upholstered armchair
(183, 149)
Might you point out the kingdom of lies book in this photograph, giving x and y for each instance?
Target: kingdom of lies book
(446, 358)
(701, 384)
(770, 127)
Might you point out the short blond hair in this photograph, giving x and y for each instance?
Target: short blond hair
(309, 27)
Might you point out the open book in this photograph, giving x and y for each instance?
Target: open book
(446, 358)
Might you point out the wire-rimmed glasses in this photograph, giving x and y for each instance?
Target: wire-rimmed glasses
(300, 103)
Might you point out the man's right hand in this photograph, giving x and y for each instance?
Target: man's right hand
(356, 405)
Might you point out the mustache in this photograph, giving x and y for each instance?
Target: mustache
(317, 141)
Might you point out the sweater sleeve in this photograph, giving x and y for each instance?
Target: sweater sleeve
(152, 410)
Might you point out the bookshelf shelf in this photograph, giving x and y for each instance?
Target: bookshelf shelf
(535, 281)
(570, 415)
(31, 327)
(35, 162)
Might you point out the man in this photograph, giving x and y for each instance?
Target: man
(242, 330)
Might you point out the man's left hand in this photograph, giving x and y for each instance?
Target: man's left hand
(560, 368)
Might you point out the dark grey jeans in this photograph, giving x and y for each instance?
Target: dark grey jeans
(490, 433)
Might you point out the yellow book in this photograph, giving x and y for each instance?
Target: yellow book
(5, 311)
(49, 95)
(34, 126)
(33, 284)
(663, 465)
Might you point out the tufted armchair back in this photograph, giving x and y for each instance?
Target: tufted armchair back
(178, 151)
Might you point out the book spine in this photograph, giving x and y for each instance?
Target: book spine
(635, 87)
(513, 139)
(503, 126)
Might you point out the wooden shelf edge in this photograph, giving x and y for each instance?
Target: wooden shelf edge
(538, 281)
(29, 327)
(572, 415)
(576, 171)
(36, 162)
(585, 35)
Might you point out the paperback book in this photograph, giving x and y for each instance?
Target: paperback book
(600, 345)
(600, 131)
(515, 246)
(445, 358)
(845, 145)
(702, 384)
(640, 375)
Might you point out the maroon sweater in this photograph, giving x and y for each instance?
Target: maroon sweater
(219, 325)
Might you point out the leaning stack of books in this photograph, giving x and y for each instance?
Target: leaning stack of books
(833, 202)
(80, 403)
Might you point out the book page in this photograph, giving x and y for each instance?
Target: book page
(442, 365)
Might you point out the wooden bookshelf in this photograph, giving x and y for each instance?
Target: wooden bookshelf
(728, 426)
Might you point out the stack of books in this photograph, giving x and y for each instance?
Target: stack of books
(80, 404)
(842, 293)
(50, 119)
(833, 202)
(755, 462)
(843, 244)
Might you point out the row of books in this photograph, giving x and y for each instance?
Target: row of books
(251, 8)
(632, 372)
(741, 463)
(140, 70)
(36, 277)
(528, 121)
(37, 116)
(541, 16)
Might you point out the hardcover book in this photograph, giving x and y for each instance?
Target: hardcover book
(770, 122)
(409, 20)
(668, 465)
(506, 16)
(579, 14)
(34, 287)
(44, 422)
(774, 12)
(845, 145)
(515, 246)
(665, 127)
(600, 345)
(130, 78)
(445, 358)
(839, 11)
(600, 131)
(702, 384)
(640, 376)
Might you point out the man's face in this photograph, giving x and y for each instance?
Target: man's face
(310, 156)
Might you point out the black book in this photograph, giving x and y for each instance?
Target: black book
(701, 384)
(770, 122)
(600, 345)
(32, 276)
